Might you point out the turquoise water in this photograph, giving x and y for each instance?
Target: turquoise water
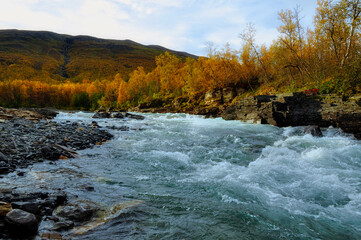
(195, 178)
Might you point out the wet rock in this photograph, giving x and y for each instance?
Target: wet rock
(314, 131)
(119, 115)
(209, 112)
(78, 212)
(30, 207)
(52, 236)
(298, 109)
(101, 115)
(24, 142)
(20, 222)
(95, 124)
(65, 151)
(46, 112)
(61, 199)
(121, 128)
(50, 153)
(4, 168)
(134, 116)
(61, 226)
(5, 208)
(3, 158)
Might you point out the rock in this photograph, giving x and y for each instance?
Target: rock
(117, 115)
(228, 94)
(134, 116)
(208, 112)
(121, 128)
(50, 153)
(61, 226)
(298, 109)
(3, 158)
(101, 115)
(24, 142)
(51, 236)
(314, 131)
(30, 207)
(67, 152)
(213, 97)
(47, 113)
(21, 222)
(78, 212)
(4, 169)
(60, 199)
(95, 124)
(5, 208)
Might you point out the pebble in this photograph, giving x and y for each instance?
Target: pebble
(24, 142)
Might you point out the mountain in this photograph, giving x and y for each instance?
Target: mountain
(48, 56)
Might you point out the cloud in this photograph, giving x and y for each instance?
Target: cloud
(178, 24)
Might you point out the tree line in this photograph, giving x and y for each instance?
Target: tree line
(326, 57)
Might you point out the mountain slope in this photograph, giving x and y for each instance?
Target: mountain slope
(48, 56)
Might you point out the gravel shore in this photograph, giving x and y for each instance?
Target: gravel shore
(28, 137)
(24, 142)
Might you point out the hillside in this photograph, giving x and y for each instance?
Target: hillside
(48, 56)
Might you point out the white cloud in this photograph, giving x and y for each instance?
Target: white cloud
(183, 25)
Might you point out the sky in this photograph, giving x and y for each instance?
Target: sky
(182, 25)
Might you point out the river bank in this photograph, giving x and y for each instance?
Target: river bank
(282, 110)
(188, 177)
(28, 137)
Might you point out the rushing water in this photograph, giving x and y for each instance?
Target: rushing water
(195, 178)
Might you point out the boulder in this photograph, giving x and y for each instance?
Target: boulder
(47, 113)
(22, 223)
(117, 115)
(30, 207)
(101, 115)
(134, 116)
(77, 212)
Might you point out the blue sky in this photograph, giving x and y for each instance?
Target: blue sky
(184, 25)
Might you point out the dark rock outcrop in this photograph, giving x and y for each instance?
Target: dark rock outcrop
(297, 109)
(119, 115)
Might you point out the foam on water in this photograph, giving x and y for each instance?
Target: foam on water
(300, 174)
(220, 179)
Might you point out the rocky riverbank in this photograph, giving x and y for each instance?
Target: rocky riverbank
(27, 137)
(24, 141)
(282, 110)
(298, 109)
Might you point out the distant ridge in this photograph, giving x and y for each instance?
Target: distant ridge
(44, 55)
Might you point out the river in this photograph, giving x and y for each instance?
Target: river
(186, 177)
